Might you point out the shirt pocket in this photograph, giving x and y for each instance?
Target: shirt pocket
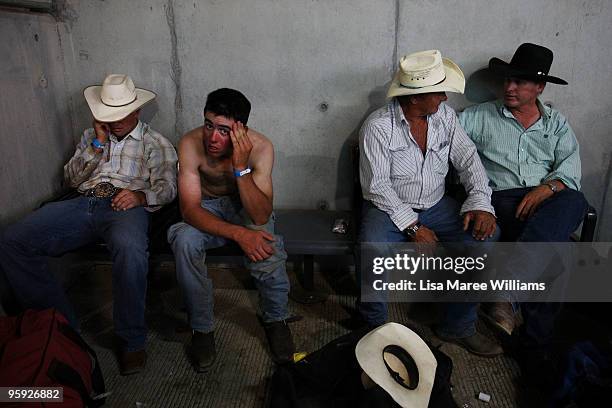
(132, 161)
(439, 158)
(541, 150)
(403, 163)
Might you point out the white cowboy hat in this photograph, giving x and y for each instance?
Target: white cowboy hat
(424, 72)
(400, 362)
(116, 98)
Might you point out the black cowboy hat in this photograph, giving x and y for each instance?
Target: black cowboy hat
(530, 61)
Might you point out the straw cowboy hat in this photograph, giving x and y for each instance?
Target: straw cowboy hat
(424, 72)
(530, 61)
(400, 362)
(116, 98)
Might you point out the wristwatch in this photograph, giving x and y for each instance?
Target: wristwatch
(552, 186)
(412, 230)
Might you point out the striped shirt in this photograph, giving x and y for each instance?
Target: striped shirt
(515, 157)
(397, 178)
(143, 160)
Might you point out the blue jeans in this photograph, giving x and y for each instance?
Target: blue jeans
(63, 226)
(444, 219)
(189, 246)
(553, 221)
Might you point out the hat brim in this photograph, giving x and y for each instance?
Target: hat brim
(105, 113)
(454, 82)
(503, 68)
(369, 353)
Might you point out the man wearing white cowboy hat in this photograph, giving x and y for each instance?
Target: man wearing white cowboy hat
(532, 158)
(123, 170)
(405, 148)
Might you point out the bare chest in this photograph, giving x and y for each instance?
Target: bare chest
(217, 179)
(418, 130)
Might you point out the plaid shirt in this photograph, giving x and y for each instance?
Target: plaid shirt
(143, 160)
(397, 178)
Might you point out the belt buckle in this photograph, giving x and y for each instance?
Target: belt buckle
(103, 190)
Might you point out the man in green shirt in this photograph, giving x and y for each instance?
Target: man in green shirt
(532, 159)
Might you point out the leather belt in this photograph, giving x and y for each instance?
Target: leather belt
(102, 190)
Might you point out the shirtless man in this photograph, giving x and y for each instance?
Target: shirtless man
(225, 191)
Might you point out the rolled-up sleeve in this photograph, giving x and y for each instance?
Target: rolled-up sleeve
(84, 161)
(566, 166)
(162, 175)
(374, 173)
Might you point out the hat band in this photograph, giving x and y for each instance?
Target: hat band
(118, 106)
(425, 86)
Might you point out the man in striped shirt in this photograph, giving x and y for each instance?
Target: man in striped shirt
(532, 158)
(405, 150)
(124, 170)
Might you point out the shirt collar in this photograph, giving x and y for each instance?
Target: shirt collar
(398, 113)
(433, 121)
(544, 110)
(136, 133)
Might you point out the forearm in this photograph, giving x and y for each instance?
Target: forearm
(80, 168)
(161, 192)
(205, 221)
(256, 204)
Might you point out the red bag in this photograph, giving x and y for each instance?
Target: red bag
(40, 349)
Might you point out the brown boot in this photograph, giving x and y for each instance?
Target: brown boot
(203, 350)
(477, 344)
(501, 317)
(132, 362)
(280, 341)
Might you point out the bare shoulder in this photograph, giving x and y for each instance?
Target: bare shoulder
(191, 149)
(194, 136)
(262, 146)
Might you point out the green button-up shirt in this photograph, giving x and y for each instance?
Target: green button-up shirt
(516, 157)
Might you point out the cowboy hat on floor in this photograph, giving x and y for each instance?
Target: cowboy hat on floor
(399, 361)
(530, 61)
(116, 98)
(424, 72)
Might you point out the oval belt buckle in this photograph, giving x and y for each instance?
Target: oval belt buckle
(104, 190)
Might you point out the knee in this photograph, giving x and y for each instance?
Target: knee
(574, 201)
(496, 235)
(376, 226)
(131, 243)
(184, 244)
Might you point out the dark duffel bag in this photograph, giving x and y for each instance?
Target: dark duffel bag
(40, 349)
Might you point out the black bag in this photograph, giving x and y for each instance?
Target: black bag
(331, 377)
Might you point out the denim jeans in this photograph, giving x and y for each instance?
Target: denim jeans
(63, 226)
(189, 246)
(553, 221)
(444, 219)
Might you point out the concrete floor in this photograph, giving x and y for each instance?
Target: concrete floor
(240, 374)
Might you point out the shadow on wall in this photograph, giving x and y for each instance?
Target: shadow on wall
(482, 86)
(344, 172)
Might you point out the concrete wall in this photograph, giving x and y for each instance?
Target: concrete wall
(293, 58)
(35, 119)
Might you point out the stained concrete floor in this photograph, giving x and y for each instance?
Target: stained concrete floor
(243, 367)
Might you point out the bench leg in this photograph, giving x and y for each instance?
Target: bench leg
(306, 294)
